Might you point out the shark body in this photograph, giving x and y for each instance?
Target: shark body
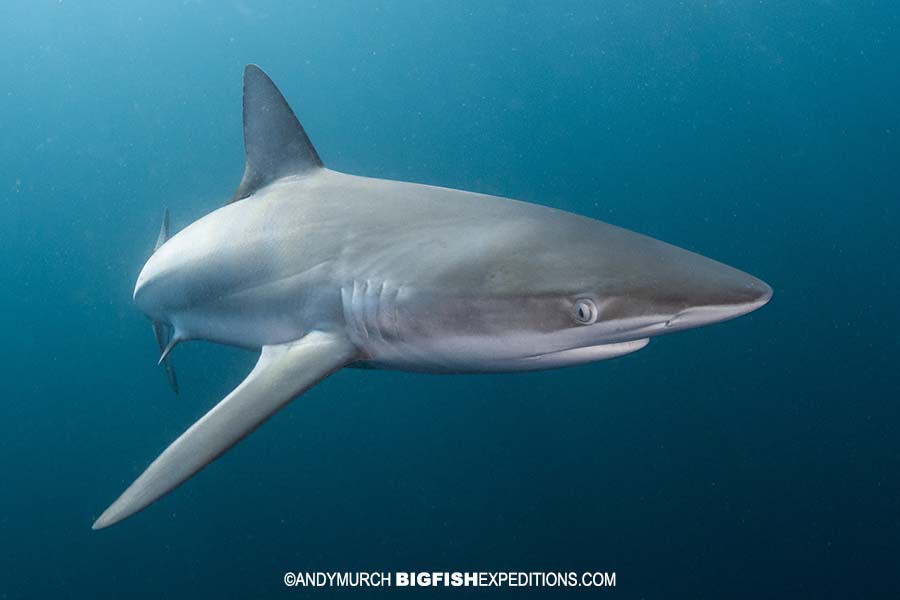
(322, 270)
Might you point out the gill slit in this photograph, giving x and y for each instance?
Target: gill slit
(370, 310)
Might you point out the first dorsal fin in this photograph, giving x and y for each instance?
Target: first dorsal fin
(275, 142)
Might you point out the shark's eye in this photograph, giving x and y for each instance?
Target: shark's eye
(585, 311)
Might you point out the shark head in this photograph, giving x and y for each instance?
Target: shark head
(534, 288)
(623, 286)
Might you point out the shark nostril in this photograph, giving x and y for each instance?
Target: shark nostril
(677, 318)
(696, 316)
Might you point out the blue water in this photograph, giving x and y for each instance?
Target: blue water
(755, 458)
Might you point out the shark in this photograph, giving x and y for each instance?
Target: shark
(321, 270)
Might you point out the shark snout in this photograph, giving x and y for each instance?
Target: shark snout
(738, 295)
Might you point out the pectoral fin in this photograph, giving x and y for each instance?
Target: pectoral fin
(282, 373)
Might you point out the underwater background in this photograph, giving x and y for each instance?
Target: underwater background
(754, 458)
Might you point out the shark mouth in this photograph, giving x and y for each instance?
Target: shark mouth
(587, 354)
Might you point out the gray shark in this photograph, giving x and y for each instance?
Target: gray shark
(323, 270)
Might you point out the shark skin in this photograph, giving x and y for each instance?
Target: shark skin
(320, 270)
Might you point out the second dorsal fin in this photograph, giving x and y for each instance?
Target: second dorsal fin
(275, 142)
(163, 230)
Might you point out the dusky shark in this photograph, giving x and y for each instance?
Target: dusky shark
(323, 270)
